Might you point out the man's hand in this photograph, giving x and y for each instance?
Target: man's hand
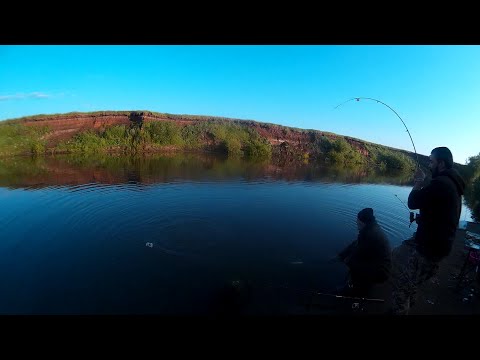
(418, 179)
(419, 176)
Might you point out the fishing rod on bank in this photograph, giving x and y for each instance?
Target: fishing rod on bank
(239, 284)
(393, 110)
(354, 303)
(316, 292)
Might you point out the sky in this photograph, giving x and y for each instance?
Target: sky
(434, 89)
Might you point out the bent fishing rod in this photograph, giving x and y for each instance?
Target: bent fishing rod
(388, 106)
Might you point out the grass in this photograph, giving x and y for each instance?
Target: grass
(230, 138)
(18, 139)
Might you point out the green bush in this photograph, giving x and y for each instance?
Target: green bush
(472, 191)
(388, 159)
(37, 147)
(164, 133)
(257, 147)
(336, 158)
(382, 166)
(116, 135)
(87, 142)
(475, 199)
(20, 139)
(191, 136)
(341, 146)
(232, 146)
(339, 151)
(232, 138)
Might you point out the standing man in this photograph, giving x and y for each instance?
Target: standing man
(440, 202)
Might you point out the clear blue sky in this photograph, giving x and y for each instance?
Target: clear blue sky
(435, 89)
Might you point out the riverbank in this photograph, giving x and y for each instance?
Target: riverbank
(439, 296)
(139, 132)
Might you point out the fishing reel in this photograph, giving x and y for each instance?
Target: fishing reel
(357, 307)
(413, 217)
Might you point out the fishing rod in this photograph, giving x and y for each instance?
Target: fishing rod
(356, 305)
(402, 202)
(237, 283)
(349, 297)
(388, 106)
(413, 216)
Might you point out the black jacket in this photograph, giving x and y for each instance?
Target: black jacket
(369, 257)
(440, 204)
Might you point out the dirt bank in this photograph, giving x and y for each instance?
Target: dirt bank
(288, 144)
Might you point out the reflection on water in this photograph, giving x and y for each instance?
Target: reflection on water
(161, 234)
(38, 172)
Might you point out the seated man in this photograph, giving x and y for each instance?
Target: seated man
(368, 258)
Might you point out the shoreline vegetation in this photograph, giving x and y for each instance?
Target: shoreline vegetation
(143, 132)
(233, 137)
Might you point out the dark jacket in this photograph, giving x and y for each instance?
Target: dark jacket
(369, 257)
(440, 204)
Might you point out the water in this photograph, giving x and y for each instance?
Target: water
(74, 232)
